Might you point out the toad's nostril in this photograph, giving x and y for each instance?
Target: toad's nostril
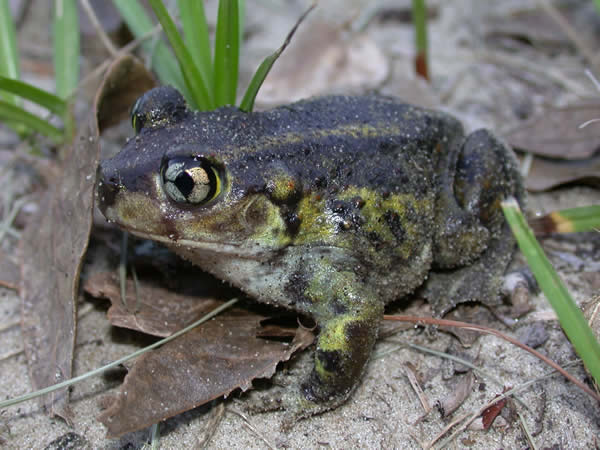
(107, 187)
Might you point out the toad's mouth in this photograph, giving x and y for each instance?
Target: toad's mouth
(232, 249)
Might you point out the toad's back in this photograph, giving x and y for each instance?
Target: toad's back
(373, 142)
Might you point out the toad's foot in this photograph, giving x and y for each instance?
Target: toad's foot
(289, 399)
(348, 315)
(473, 244)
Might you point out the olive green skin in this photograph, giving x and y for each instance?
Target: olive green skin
(332, 206)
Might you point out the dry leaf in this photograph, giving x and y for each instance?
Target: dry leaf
(210, 361)
(546, 174)
(529, 25)
(492, 412)
(458, 394)
(157, 311)
(55, 241)
(557, 133)
(323, 59)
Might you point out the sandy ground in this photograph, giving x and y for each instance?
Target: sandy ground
(475, 79)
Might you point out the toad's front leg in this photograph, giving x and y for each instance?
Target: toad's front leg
(348, 315)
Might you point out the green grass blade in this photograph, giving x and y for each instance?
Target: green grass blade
(227, 53)
(66, 47)
(163, 61)
(191, 74)
(43, 98)
(16, 114)
(197, 39)
(9, 58)
(570, 317)
(419, 11)
(261, 73)
(584, 218)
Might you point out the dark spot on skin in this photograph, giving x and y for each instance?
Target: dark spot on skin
(337, 307)
(375, 239)
(358, 331)
(320, 182)
(330, 359)
(344, 225)
(292, 222)
(295, 287)
(361, 271)
(357, 202)
(308, 388)
(394, 222)
(357, 220)
(387, 147)
(402, 177)
(347, 212)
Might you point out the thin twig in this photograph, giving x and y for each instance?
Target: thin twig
(155, 436)
(412, 378)
(251, 427)
(11, 354)
(98, 71)
(9, 325)
(526, 431)
(6, 224)
(446, 429)
(98, 28)
(210, 428)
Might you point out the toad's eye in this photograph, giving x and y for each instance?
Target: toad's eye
(137, 118)
(160, 106)
(191, 180)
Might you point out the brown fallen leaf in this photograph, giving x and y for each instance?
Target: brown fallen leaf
(458, 394)
(529, 25)
(55, 241)
(157, 311)
(492, 412)
(556, 132)
(208, 362)
(546, 174)
(322, 59)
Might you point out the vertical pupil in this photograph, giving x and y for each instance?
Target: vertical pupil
(184, 183)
